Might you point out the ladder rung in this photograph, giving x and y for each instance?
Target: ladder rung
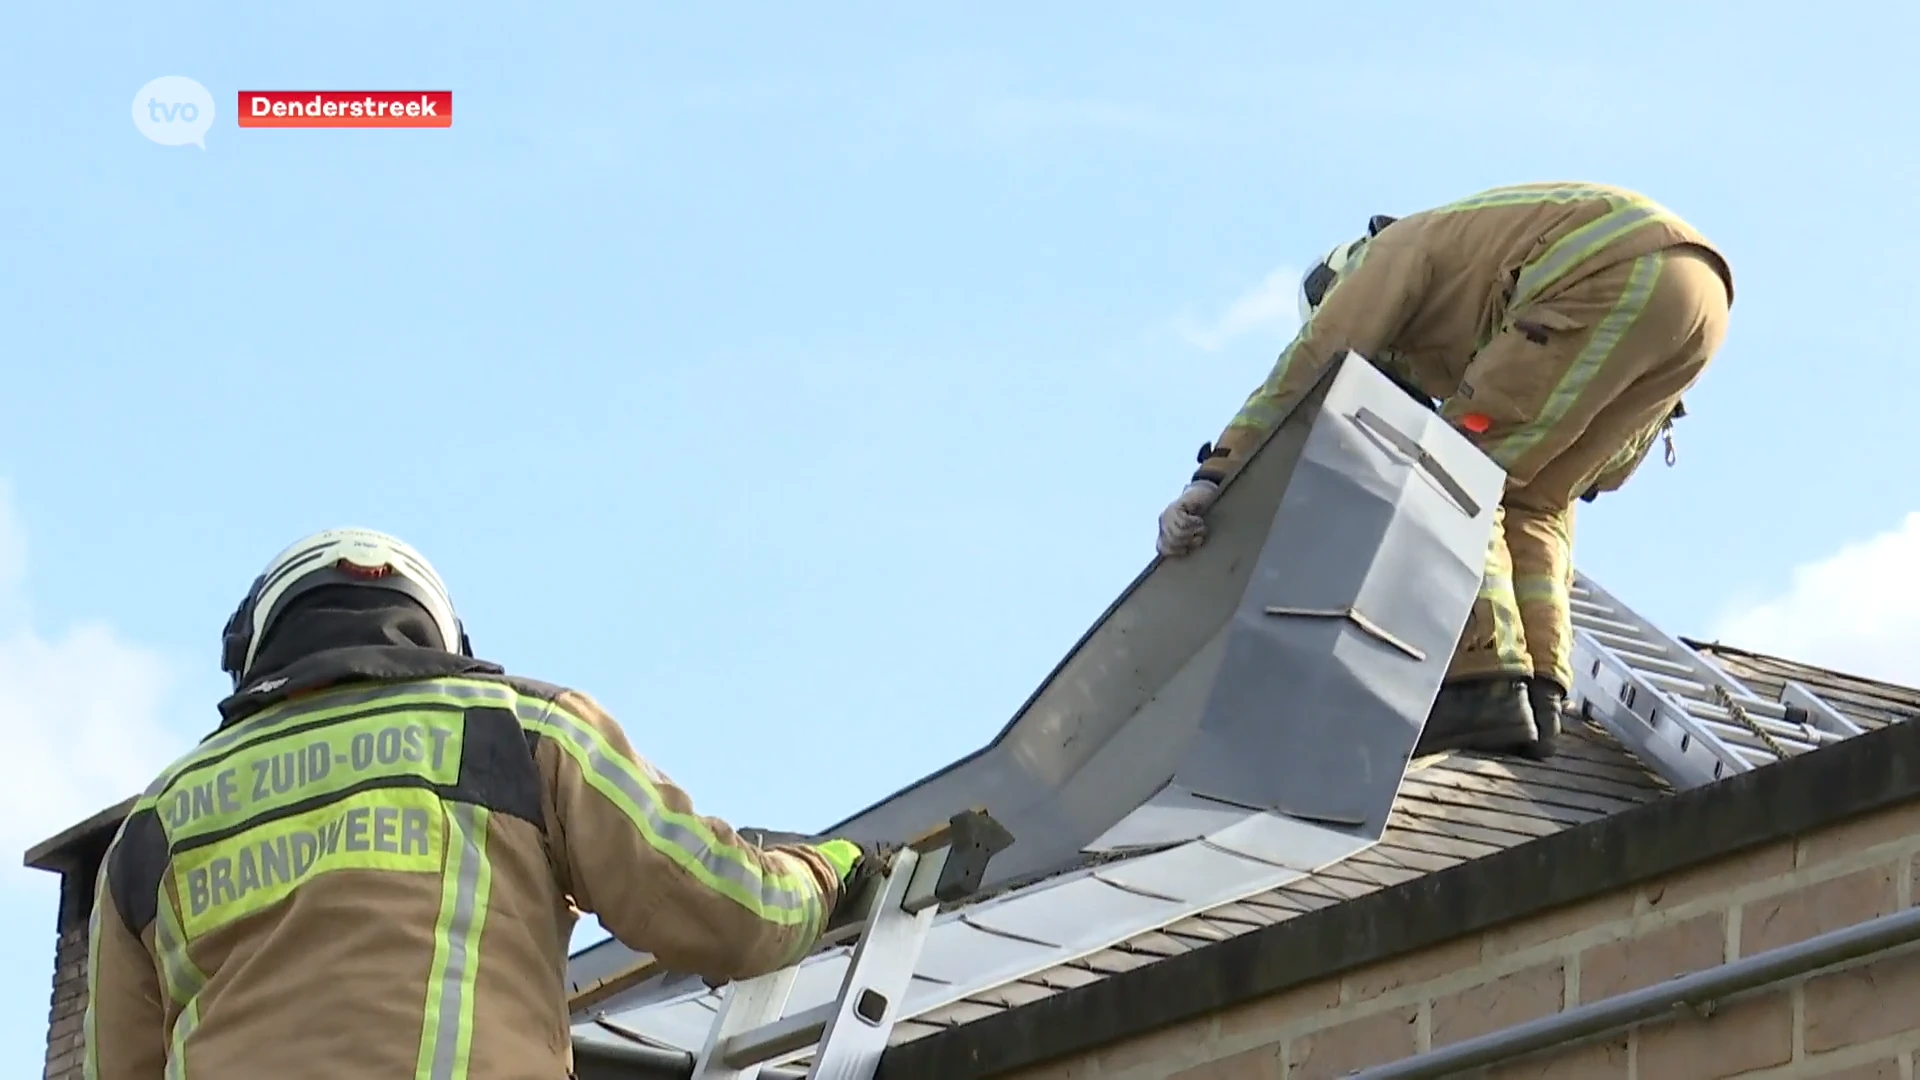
(1771, 712)
(1734, 735)
(782, 1036)
(1583, 606)
(1661, 664)
(1630, 643)
(1603, 624)
(1683, 681)
(1676, 684)
(1713, 714)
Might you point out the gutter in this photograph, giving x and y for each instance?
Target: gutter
(1697, 991)
(658, 1061)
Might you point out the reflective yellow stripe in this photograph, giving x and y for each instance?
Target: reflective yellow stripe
(90, 1023)
(182, 979)
(1582, 244)
(272, 774)
(1540, 589)
(1626, 213)
(784, 898)
(1536, 195)
(389, 828)
(446, 1033)
(1601, 342)
(456, 693)
(1497, 592)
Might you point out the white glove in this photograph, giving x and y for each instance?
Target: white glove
(1182, 527)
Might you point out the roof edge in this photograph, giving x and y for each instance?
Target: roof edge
(1866, 773)
(54, 853)
(1716, 647)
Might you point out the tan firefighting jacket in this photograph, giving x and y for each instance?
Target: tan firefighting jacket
(372, 880)
(1431, 289)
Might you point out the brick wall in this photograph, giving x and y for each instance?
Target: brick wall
(1857, 1023)
(69, 1005)
(69, 997)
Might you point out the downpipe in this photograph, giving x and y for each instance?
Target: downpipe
(1694, 991)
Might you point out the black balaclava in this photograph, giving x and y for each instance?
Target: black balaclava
(338, 616)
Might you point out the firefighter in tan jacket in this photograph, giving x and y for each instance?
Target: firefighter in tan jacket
(372, 868)
(1558, 325)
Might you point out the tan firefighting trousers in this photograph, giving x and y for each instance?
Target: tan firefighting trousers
(1577, 388)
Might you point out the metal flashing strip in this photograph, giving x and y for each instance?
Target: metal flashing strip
(1677, 710)
(1056, 921)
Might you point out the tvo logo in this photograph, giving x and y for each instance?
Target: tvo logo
(174, 111)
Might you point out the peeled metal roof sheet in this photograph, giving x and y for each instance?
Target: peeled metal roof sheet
(1145, 733)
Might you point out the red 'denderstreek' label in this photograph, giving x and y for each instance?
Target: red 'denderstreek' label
(346, 108)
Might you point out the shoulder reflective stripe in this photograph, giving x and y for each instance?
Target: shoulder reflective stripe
(1626, 212)
(182, 980)
(1581, 244)
(1601, 342)
(1261, 411)
(274, 774)
(1535, 195)
(781, 898)
(395, 829)
(446, 1034)
(90, 1021)
(1263, 408)
(451, 692)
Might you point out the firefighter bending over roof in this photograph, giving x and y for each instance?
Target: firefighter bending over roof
(1558, 325)
(371, 868)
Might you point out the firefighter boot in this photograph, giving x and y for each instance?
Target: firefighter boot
(1549, 708)
(1491, 714)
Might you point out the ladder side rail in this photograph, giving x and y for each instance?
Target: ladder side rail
(1709, 673)
(848, 1034)
(1689, 678)
(1821, 714)
(1796, 720)
(748, 1005)
(1647, 720)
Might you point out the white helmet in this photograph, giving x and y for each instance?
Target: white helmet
(336, 557)
(1321, 278)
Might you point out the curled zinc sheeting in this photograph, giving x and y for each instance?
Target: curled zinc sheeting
(1236, 719)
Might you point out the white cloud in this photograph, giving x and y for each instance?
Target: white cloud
(1857, 610)
(1269, 305)
(83, 710)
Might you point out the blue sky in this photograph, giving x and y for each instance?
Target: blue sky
(803, 385)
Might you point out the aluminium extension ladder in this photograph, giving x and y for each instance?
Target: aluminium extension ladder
(1684, 716)
(850, 1032)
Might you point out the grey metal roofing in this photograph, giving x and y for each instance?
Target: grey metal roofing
(1451, 808)
(1239, 719)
